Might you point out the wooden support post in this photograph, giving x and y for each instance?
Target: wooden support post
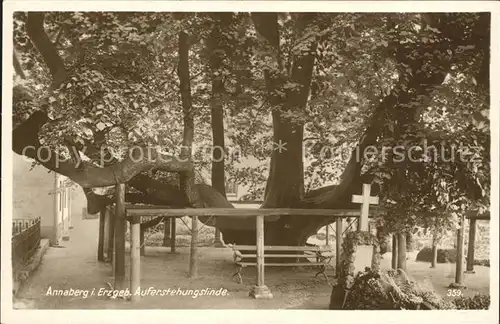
(260, 291)
(135, 257)
(471, 246)
(100, 242)
(394, 261)
(166, 231)
(111, 234)
(193, 257)
(338, 244)
(434, 256)
(459, 273)
(402, 251)
(143, 244)
(120, 228)
(105, 246)
(173, 222)
(217, 238)
(327, 229)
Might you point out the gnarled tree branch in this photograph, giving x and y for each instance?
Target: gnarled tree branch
(39, 38)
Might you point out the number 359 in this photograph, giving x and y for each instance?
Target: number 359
(454, 293)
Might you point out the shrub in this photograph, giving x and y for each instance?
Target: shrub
(391, 290)
(484, 263)
(443, 255)
(478, 301)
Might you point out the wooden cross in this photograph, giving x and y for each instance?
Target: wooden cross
(365, 200)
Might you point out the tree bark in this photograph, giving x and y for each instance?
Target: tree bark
(36, 32)
(187, 178)
(17, 66)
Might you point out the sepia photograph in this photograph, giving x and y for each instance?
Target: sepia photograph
(243, 158)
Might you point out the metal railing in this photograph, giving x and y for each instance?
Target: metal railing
(25, 240)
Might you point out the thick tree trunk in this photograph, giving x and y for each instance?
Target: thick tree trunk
(217, 111)
(285, 185)
(187, 178)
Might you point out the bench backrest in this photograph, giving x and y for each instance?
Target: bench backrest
(283, 248)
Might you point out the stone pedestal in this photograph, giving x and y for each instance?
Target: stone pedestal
(260, 292)
(363, 257)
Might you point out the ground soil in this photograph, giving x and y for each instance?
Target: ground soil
(75, 266)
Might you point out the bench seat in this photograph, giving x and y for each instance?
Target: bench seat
(321, 254)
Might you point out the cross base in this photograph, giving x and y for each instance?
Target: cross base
(218, 244)
(260, 292)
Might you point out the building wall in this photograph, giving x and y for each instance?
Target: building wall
(51, 196)
(32, 194)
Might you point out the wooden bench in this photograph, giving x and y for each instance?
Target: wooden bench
(298, 255)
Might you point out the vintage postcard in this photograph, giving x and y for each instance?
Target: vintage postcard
(331, 158)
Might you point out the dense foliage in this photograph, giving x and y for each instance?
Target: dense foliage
(97, 84)
(390, 290)
(443, 255)
(478, 301)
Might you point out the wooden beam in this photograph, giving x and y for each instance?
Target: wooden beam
(135, 257)
(100, 242)
(471, 247)
(242, 212)
(120, 228)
